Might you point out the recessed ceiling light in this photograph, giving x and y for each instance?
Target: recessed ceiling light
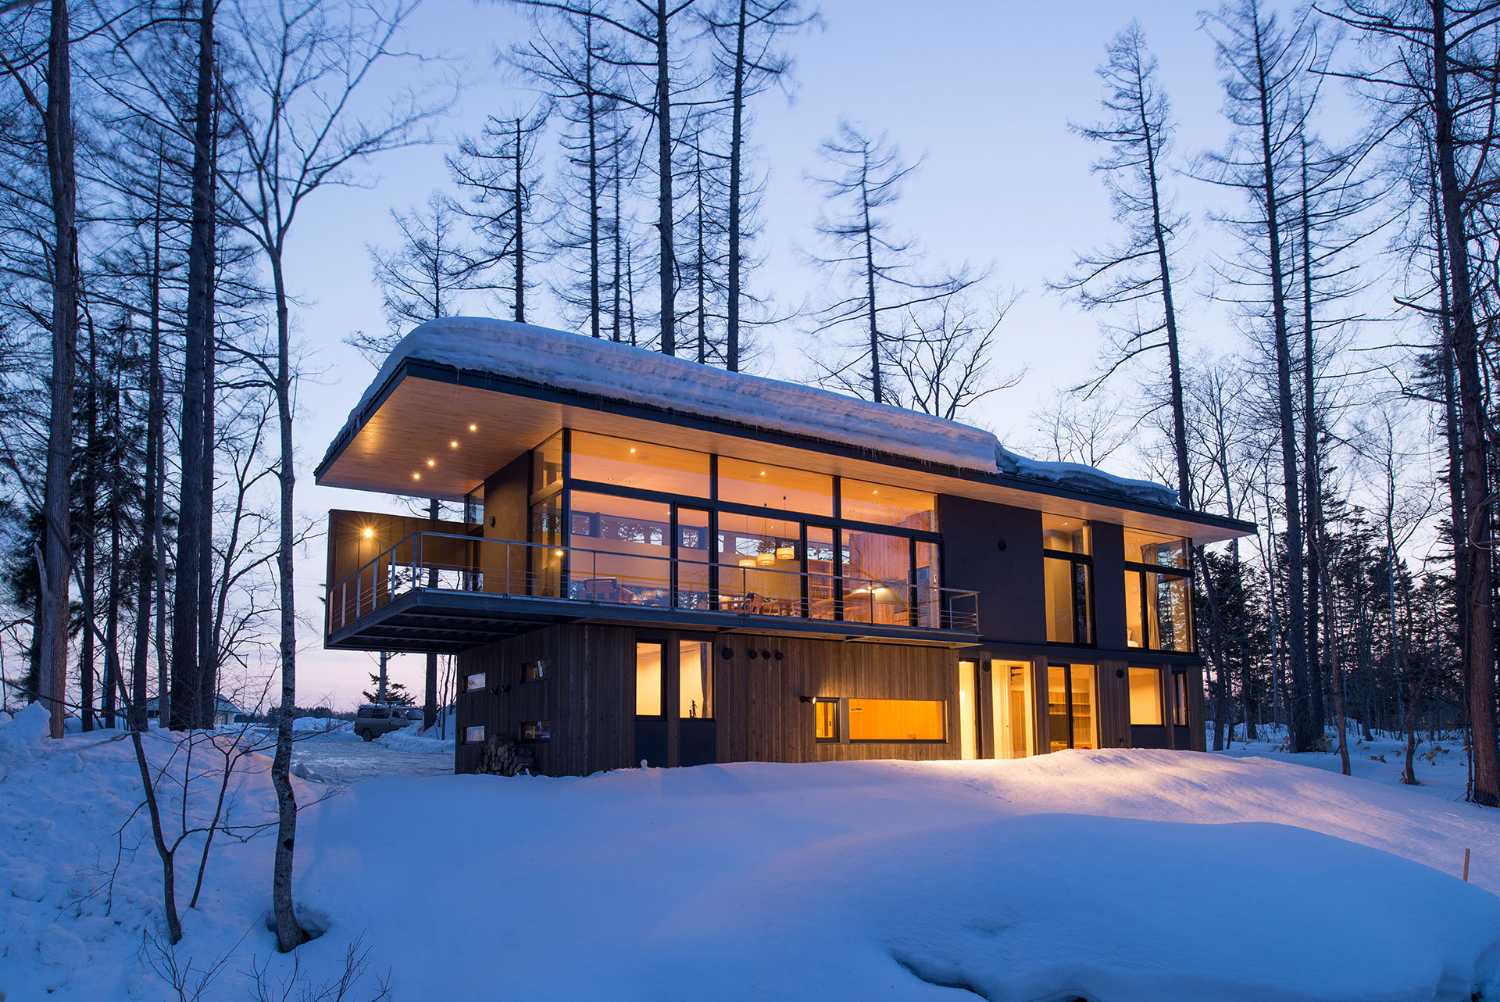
(632, 450)
(453, 443)
(431, 463)
(762, 472)
(415, 475)
(473, 427)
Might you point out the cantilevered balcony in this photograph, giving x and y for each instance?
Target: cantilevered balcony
(446, 591)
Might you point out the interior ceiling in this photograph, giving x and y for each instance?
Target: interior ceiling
(424, 427)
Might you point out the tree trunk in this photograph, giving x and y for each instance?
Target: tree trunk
(664, 204)
(1476, 589)
(88, 505)
(736, 159)
(1305, 735)
(150, 500)
(1310, 461)
(57, 556)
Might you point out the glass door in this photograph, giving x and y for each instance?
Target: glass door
(1010, 682)
(968, 709)
(1070, 707)
(696, 735)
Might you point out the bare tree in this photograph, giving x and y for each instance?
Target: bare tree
(298, 70)
(873, 270)
(1135, 275)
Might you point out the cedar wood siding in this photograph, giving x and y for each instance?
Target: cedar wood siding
(588, 695)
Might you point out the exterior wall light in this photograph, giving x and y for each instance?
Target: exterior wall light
(368, 532)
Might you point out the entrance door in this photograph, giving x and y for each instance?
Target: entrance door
(696, 735)
(1010, 699)
(1070, 707)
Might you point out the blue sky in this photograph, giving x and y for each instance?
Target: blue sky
(982, 92)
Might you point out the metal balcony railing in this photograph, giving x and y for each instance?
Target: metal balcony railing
(453, 562)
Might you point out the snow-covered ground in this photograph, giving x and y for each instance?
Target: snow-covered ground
(1076, 874)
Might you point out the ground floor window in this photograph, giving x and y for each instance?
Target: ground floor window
(474, 734)
(1145, 697)
(897, 720)
(826, 719)
(968, 706)
(648, 679)
(695, 674)
(1179, 698)
(474, 682)
(1070, 706)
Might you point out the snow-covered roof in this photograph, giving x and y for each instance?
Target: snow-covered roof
(559, 360)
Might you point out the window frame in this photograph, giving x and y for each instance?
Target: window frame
(1067, 670)
(848, 709)
(1161, 696)
(1177, 573)
(662, 644)
(1074, 560)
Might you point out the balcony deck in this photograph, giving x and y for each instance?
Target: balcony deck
(443, 592)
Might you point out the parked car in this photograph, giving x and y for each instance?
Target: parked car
(412, 713)
(375, 719)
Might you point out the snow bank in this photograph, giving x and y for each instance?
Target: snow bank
(596, 367)
(1074, 874)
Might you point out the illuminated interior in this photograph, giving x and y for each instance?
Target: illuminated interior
(621, 550)
(1145, 697)
(695, 674)
(860, 501)
(760, 565)
(766, 486)
(1142, 547)
(648, 679)
(1065, 534)
(1010, 695)
(1069, 611)
(692, 559)
(826, 719)
(877, 569)
(968, 706)
(1070, 706)
(1135, 615)
(547, 464)
(896, 720)
(624, 463)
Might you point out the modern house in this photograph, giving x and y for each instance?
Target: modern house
(666, 563)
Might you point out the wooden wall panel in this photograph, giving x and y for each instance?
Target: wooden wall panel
(1112, 685)
(505, 517)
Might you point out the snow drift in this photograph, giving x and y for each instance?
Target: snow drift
(1112, 875)
(544, 357)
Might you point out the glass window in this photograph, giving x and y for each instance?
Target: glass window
(1179, 699)
(547, 464)
(1082, 702)
(1169, 608)
(896, 720)
(968, 706)
(547, 555)
(1057, 708)
(929, 596)
(820, 572)
(1135, 614)
(1065, 534)
(826, 719)
(692, 559)
(885, 505)
(1069, 612)
(877, 577)
(760, 565)
(1143, 547)
(1145, 697)
(473, 734)
(620, 550)
(624, 463)
(766, 486)
(648, 679)
(695, 676)
(474, 682)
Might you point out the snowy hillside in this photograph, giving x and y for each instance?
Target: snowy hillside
(1110, 875)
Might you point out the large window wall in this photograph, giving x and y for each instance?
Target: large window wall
(1068, 578)
(657, 526)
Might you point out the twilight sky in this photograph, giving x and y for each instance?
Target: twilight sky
(982, 91)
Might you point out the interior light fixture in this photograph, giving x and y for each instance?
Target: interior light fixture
(367, 533)
(453, 443)
(762, 472)
(431, 463)
(786, 551)
(632, 450)
(747, 561)
(415, 475)
(473, 427)
(765, 559)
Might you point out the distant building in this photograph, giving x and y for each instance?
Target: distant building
(224, 710)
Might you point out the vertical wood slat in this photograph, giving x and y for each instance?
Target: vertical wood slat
(1112, 683)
